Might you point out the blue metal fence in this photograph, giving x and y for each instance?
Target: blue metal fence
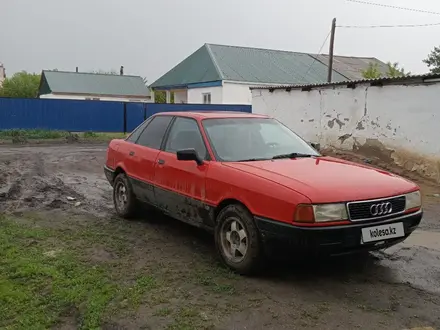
(134, 114)
(96, 116)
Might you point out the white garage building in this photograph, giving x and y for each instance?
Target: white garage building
(394, 119)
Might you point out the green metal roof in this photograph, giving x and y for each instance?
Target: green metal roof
(196, 68)
(219, 62)
(92, 84)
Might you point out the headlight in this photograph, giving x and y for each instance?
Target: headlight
(330, 212)
(413, 200)
(320, 213)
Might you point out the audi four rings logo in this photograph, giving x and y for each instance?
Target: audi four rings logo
(381, 209)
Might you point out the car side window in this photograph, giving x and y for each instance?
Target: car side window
(184, 134)
(153, 135)
(137, 131)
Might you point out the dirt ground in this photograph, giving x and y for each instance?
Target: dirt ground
(157, 273)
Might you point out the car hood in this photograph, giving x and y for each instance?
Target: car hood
(328, 179)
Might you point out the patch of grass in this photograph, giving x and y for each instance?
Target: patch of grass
(213, 284)
(90, 135)
(32, 134)
(189, 318)
(217, 279)
(142, 285)
(102, 136)
(50, 278)
(44, 134)
(163, 312)
(40, 285)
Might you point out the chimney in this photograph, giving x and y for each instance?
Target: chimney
(76, 70)
(121, 72)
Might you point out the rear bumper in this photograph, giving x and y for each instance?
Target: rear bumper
(109, 174)
(281, 238)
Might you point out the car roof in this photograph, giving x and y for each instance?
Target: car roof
(212, 114)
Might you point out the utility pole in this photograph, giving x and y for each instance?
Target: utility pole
(330, 53)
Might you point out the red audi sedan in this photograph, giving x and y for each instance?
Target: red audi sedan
(258, 187)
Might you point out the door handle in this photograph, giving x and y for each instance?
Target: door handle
(161, 162)
(131, 153)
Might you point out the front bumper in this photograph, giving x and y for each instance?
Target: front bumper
(109, 174)
(282, 238)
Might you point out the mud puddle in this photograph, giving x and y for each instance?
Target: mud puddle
(426, 239)
(56, 177)
(415, 261)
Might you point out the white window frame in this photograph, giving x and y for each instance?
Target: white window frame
(206, 98)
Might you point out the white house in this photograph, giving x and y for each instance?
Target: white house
(222, 74)
(93, 86)
(393, 119)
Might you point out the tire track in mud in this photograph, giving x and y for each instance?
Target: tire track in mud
(37, 180)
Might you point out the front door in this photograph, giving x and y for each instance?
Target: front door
(180, 185)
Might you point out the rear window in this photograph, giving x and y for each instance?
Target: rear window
(137, 131)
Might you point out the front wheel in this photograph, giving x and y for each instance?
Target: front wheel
(238, 241)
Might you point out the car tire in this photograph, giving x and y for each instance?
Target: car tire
(237, 240)
(124, 200)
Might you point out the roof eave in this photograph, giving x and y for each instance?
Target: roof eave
(212, 83)
(102, 95)
(422, 78)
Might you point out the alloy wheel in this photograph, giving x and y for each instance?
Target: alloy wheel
(121, 197)
(234, 239)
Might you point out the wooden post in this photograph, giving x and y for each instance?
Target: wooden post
(330, 57)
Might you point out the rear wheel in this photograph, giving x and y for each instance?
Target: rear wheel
(123, 197)
(238, 240)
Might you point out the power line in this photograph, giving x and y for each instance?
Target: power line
(395, 7)
(386, 26)
(315, 57)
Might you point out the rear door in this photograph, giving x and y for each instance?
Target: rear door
(147, 149)
(180, 185)
(128, 150)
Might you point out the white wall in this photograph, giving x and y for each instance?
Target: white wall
(180, 96)
(101, 98)
(229, 93)
(235, 93)
(195, 95)
(394, 122)
(239, 92)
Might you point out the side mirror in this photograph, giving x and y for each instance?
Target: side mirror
(316, 146)
(189, 154)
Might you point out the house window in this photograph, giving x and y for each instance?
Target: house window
(206, 98)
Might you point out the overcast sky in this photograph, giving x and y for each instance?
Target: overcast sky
(150, 37)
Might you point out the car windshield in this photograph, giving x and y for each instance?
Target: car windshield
(249, 139)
